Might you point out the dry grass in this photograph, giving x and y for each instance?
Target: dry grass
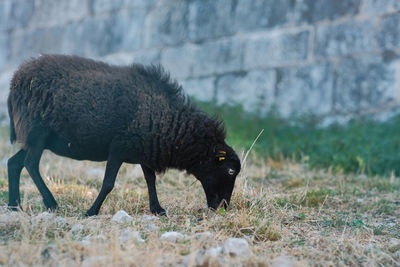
(316, 217)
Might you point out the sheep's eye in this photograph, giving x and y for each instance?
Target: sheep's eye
(231, 171)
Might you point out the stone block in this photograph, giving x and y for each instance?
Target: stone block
(209, 19)
(389, 34)
(126, 29)
(278, 49)
(15, 13)
(311, 11)
(375, 7)
(218, 57)
(92, 37)
(145, 57)
(166, 25)
(5, 79)
(254, 90)
(105, 6)
(99, 36)
(4, 49)
(179, 60)
(202, 89)
(305, 90)
(25, 44)
(50, 13)
(365, 83)
(262, 14)
(345, 39)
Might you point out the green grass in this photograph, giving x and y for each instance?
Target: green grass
(360, 146)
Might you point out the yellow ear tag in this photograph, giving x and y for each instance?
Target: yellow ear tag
(223, 152)
(221, 158)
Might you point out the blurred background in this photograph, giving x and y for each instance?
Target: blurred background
(288, 66)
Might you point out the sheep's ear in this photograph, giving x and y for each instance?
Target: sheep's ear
(221, 155)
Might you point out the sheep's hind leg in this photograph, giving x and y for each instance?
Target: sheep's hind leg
(31, 163)
(150, 177)
(15, 165)
(112, 169)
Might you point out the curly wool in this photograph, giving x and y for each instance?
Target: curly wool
(90, 104)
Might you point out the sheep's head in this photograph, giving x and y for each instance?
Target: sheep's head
(217, 176)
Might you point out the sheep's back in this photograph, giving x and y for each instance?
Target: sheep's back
(84, 103)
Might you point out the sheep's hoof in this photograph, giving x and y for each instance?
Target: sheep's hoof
(52, 207)
(15, 207)
(159, 211)
(90, 213)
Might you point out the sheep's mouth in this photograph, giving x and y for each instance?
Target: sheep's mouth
(215, 203)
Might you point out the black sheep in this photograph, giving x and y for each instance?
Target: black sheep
(88, 110)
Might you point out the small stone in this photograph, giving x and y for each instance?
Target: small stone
(77, 228)
(369, 246)
(60, 221)
(195, 258)
(149, 218)
(283, 261)
(201, 257)
(397, 254)
(152, 227)
(214, 252)
(42, 217)
(202, 236)
(121, 217)
(128, 236)
(96, 261)
(88, 240)
(237, 247)
(172, 237)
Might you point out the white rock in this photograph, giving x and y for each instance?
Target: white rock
(128, 235)
(152, 227)
(121, 217)
(214, 252)
(237, 247)
(397, 254)
(84, 243)
(202, 236)
(77, 228)
(283, 261)
(149, 218)
(172, 236)
(201, 257)
(196, 258)
(369, 246)
(9, 218)
(60, 221)
(87, 240)
(43, 216)
(96, 261)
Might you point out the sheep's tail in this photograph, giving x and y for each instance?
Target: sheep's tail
(13, 136)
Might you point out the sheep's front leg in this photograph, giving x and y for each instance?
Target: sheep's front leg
(150, 177)
(112, 169)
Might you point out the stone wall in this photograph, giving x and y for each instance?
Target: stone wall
(330, 58)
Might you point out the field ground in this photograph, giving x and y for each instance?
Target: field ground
(320, 217)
